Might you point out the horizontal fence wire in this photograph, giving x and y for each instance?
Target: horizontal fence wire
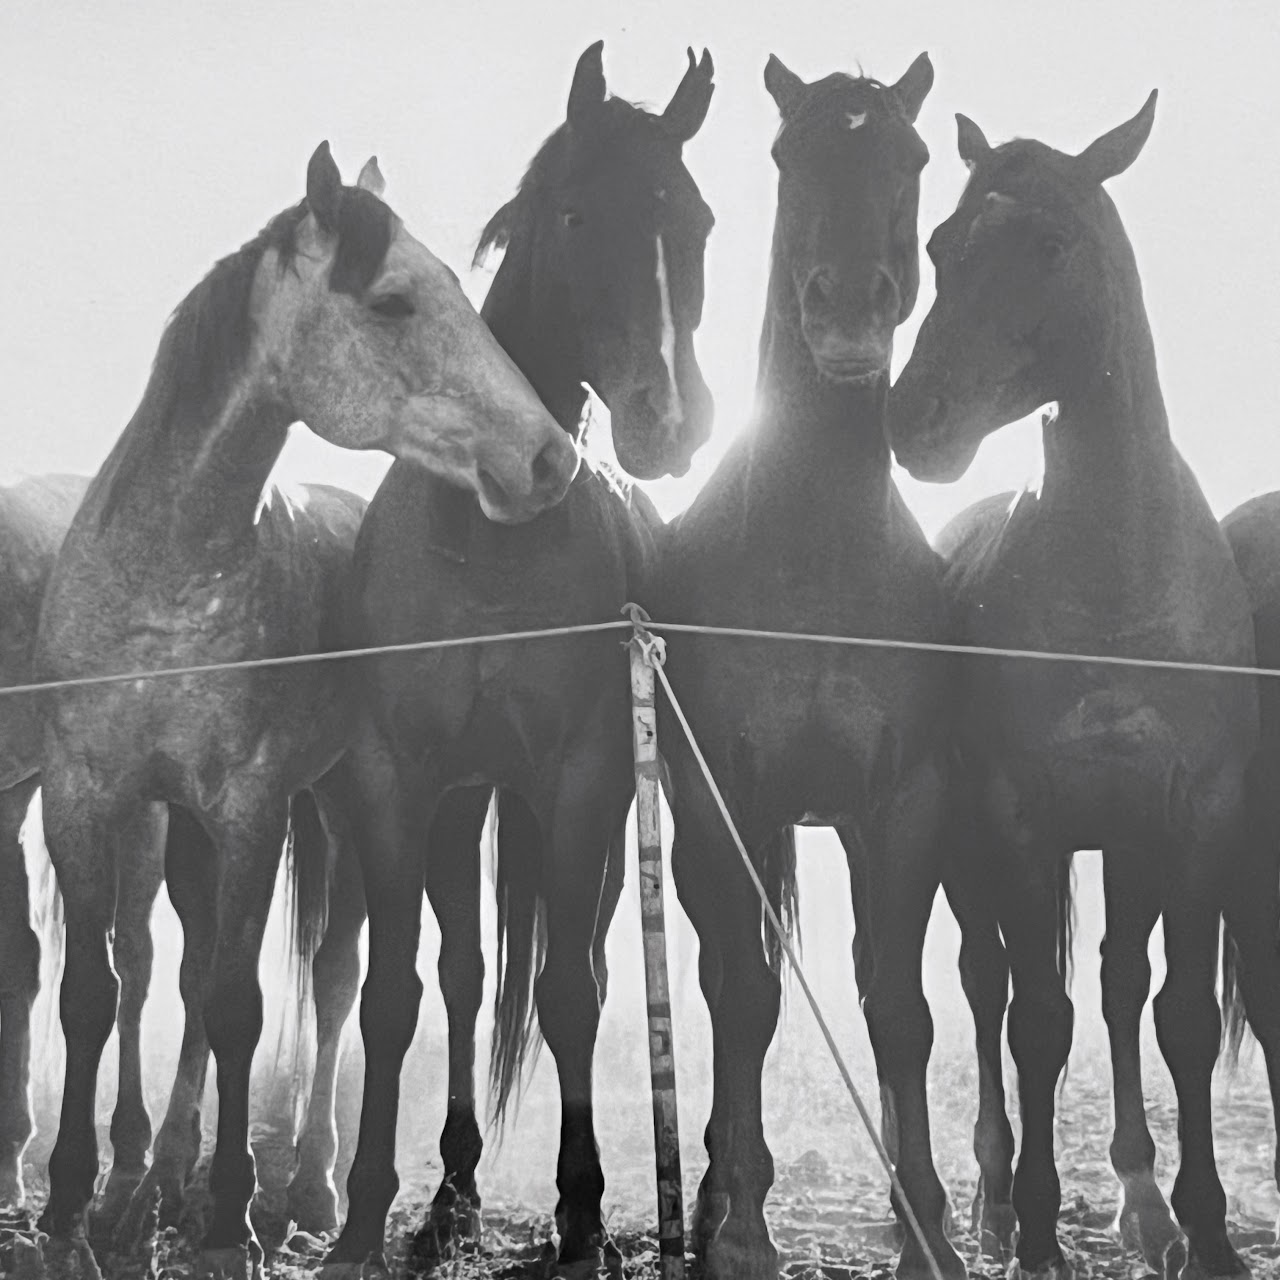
(590, 628)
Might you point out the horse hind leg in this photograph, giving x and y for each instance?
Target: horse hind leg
(140, 875)
(1188, 1027)
(984, 976)
(313, 1197)
(190, 868)
(1041, 1018)
(19, 986)
(1132, 890)
(453, 886)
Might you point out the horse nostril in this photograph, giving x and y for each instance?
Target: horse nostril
(544, 467)
(934, 412)
(821, 289)
(884, 293)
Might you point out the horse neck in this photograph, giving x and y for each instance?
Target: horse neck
(193, 495)
(829, 436)
(535, 327)
(1108, 454)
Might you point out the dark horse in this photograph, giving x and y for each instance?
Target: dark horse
(601, 284)
(1039, 300)
(336, 316)
(802, 529)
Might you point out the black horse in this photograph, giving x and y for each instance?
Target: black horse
(802, 529)
(601, 284)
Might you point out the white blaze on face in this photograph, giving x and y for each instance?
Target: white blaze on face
(855, 119)
(667, 334)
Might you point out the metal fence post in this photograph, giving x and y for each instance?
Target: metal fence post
(645, 650)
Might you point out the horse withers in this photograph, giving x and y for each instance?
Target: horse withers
(1039, 301)
(336, 316)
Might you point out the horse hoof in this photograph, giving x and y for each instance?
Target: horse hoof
(1229, 1266)
(374, 1267)
(1149, 1229)
(731, 1260)
(237, 1263)
(64, 1259)
(313, 1206)
(115, 1202)
(588, 1268)
(447, 1225)
(13, 1195)
(709, 1214)
(913, 1265)
(1055, 1269)
(998, 1226)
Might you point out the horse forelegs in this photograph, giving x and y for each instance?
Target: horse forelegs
(140, 875)
(249, 834)
(1132, 889)
(19, 986)
(453, 889)
(80, 832)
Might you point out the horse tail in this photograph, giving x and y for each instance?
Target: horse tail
(521, 947)
(1234, 1023)
(306, 905)
(783, 892)
(44, 904)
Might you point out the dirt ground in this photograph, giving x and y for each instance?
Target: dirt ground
(829, 1207)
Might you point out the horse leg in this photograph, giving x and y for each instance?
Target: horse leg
(615, 877)
(453, 888)
(190, 863)
(80, 831)
(388, 834)
(19, 986)
(699, 902)
(743, 996)
(902, 882)
(567, 993)
(984, 975)
(141, 873)
(1132, 889)
(313, 1198)
(1252, 917)
(1040, 1026)
(1188, 1026)
(248, 830)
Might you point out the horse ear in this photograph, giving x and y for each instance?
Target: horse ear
(914, 86)
(688, 106)
(784, 86)
(324, 188)
(371, 178)
(1114, 152)
(971, 141)
(587, 91)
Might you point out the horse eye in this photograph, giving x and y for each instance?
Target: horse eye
(571, 218)
(1052, 251)
(393, 306)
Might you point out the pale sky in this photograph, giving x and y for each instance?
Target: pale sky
(145, 139)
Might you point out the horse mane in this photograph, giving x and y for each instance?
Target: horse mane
(555, 159)
(206, 340)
